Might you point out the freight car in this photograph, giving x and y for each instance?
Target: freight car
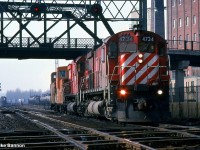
(45, 99)
(125, 79)
(35, 100)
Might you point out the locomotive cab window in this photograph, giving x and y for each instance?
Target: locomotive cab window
(161, 49)
(112, 50)
(80, 67)
(127, 47)
(146, 44)
(62, 74)
(147, 47)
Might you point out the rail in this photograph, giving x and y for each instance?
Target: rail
(151, 137)
(112, 139)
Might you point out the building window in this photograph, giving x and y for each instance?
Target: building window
(187, 86)
(180, 1)
(173, 2)
(187, 37)
(174, 40)
(180, 22)
(192, 86)
(194, 19)
(187, 21)
(174, 23)
(188, 72)
(180, 39)
(173, 74)
(195, 37)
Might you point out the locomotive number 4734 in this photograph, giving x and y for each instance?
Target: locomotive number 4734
(147, 39)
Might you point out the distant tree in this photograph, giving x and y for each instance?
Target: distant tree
(14, 95)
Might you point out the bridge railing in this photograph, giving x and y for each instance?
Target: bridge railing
(183, 45)
(28, 42)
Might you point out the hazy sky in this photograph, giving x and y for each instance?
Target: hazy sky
(27, 74)
(35, 73)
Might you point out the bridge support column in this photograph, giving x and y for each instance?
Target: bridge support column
(179, 80)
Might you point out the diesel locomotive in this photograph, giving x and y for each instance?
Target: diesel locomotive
(125, 79)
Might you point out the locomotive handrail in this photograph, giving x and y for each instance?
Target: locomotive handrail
(92, 73)
(155, 67)
(134, 70)
(120, 70)
(148, 72)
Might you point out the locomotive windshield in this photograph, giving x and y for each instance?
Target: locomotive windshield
(161, 49)
(112, 50)
(127, 47)
(147, 47)
(62, 73)
(126, 43)
(146, 44)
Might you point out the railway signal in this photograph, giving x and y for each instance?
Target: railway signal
(37, 9)
(96, 10)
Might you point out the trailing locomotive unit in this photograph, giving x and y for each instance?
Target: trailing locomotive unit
(125, 79)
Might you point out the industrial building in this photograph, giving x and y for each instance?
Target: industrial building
(183, 27)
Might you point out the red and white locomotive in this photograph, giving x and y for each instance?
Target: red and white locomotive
(125, 79)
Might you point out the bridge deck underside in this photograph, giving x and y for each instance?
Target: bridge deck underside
(184, 55)
(42, 53)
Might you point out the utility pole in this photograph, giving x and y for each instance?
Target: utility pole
(56, 64)
(157, 15)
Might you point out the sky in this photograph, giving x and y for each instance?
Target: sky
(34, 74)
(27, 74)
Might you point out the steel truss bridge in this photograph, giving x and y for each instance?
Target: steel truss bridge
(26, 25)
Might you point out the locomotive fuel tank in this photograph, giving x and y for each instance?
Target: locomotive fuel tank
(96, 108)
(71, 107)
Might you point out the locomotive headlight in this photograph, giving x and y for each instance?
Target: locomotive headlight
(140, 55)
(160, 92)
(140, 61)
(122, 92)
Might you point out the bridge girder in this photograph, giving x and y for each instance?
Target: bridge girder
(72, 13)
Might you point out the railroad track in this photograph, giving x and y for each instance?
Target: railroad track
(82, 137)
(64, 135)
